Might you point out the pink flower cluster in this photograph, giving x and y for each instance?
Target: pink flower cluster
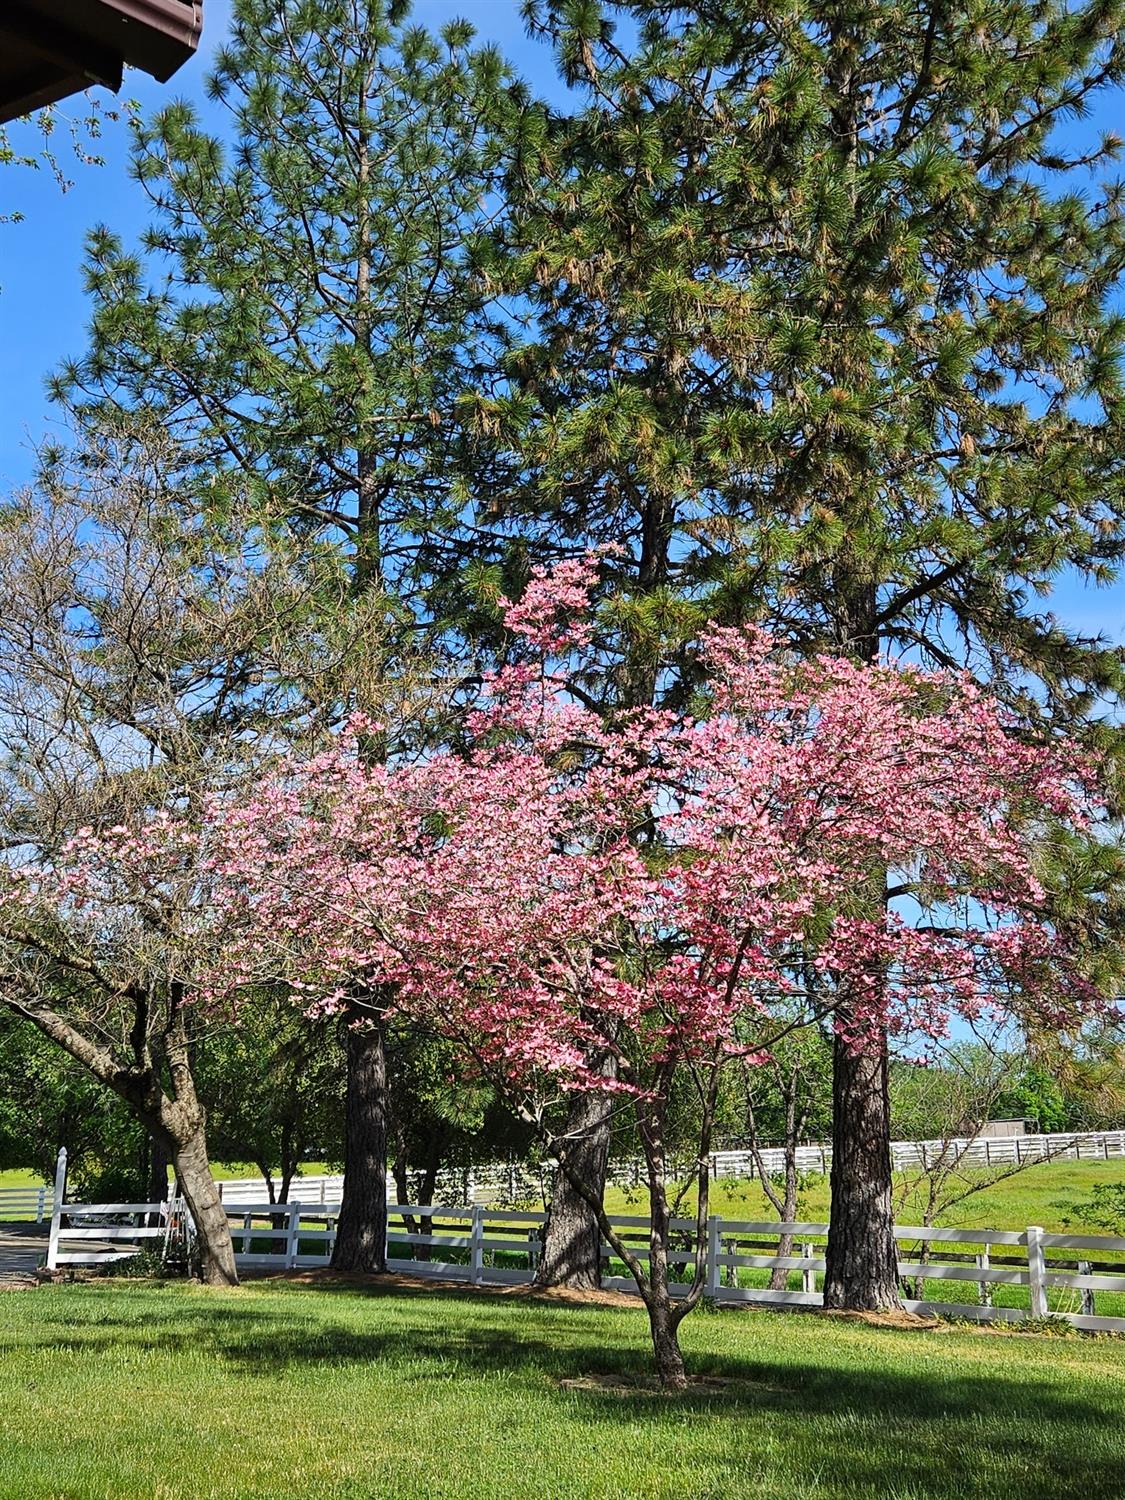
(554, 612)
(862, 839)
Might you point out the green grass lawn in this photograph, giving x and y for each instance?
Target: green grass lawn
(119, 1391)
(18, 1177)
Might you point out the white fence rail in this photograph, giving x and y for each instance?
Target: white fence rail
(97, 1234)
(26, 1204)
(1005, 1275)
(512, 1182)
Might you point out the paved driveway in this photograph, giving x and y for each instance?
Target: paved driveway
(22, 1246)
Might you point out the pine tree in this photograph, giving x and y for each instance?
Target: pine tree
(821, 327)
(301, 319)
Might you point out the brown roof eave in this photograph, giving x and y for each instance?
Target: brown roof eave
(49, 91)
(163, 33)
(52, 48)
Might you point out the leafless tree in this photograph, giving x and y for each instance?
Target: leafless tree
(148, 661)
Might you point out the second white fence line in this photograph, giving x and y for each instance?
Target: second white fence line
(514, 1181)
(27, 1204)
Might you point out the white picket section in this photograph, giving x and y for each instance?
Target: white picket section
(96, 1234)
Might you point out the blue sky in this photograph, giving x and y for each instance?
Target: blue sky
(42, 306)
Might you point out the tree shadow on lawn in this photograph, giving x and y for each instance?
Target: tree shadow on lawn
(862, 1428)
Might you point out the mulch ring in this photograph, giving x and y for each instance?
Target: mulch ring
(649, 1385)
(898, 1318)
(392, 1281)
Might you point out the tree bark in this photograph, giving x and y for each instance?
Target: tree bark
(159, 1160)
(178, 1119)
(427, 1184)
(779, 1276)
(361, 1235)
(664, 1319)
(862, 1257)
(572, 1241)
(212, 1228)
(666, 1343)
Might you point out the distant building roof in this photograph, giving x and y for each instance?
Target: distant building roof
(52, 48)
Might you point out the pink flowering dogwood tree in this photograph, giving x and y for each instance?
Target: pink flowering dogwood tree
(667, 891)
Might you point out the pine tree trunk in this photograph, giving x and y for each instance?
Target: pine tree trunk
(862, 1260)
(572, 1241)
(212, 1227)
(361, 1234)
(427, 1186)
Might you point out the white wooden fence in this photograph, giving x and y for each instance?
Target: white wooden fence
(500, 1246)
(1009, 1275)
(968, 1151)
(512, 1182)
(97, 1234)
(26, 1204)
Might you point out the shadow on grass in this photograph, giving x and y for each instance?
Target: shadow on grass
(862, 1424)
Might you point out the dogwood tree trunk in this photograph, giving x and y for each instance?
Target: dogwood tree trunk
(212, 1228)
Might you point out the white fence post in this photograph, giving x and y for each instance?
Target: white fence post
(1036, 1271)
(291, 1236)
(808, 1275)
(476, 1248)
(1087, 1292)
(56, 1210)
(41, 1205)
(985, 1287)
(714, 1249)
